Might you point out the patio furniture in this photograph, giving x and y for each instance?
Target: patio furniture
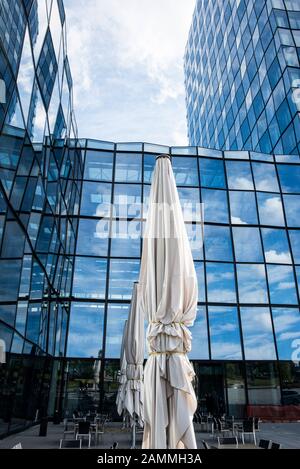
(276, 446)
(264, 444)
(228, 441)
(69, 428)
(205, 445)
(247, 429)
(220, 427)
(70, 444)
(84, 431)
(256, 424)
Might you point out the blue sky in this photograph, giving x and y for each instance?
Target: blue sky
(127, 63)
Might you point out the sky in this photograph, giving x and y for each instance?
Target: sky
(127, 63)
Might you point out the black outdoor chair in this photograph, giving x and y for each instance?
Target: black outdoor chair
(84, 432)
(205, 445)
(264, 444)
(70, 444)
(247, 429)
(69, 428)
(276, 446)
(228, 441)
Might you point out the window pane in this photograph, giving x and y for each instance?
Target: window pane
(270, 209)
(289, 177)
(217, 243)
(287, 330)
(123, 273)
(195, 237)
(220, 283)
(185, 171)
(243, 208)
(126, 239)
(201, 283)
(128, 167)
(282, 284)
(252, 283)
(86, 330)
(247, 245)
(8, 314)
(263, 383)
(149, 165)
(96, 199)
(239, 175)
(127, 201)
(116, 317)
(215, 206)
(93, 237)
(89, 277)
(9, 279)
(258, 334)
(224, 333)
(13, 240)
(292, 209)
(98, 165)
(295, 242)
(190, 204)
(265, 177)
(200, 339)
(276, 246)
(212, 173)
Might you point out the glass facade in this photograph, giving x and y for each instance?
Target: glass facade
(242, 75)
(67, 264)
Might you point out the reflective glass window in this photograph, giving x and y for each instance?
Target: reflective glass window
(258, 334)
(270, 209)
(276, 246)
(243, 208)
(215, 206)
(199, 266)
(149, 165)
(126, 238)
(220, 283)
(89, 277)
(200, 339)
(295, 243)
(127, 201)
(93, 237)
(252, 283)
(195, 237)
(86, 330)
(96, 199)
(292, 209)
(217, 243)
(8, 314)
(289, 176)
(282, 284)
(13, 240)
(190, 204)
(224, 333)
(247, 244)
(98, 165)
(117, 314)
(239, 175)
(265, 177)
(287, 330)
(123, 273)
(212, 173)
(185, 171)
(263, 383)
(9, 279)
(128, 167)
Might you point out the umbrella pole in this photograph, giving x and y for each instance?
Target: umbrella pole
(133, 433)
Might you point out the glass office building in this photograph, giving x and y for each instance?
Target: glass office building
(242, 72)
(66, 282)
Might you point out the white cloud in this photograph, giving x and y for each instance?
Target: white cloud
(271, 211)
(127, 64)
(278, 258)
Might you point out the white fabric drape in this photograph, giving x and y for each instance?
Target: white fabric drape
(168, 297)
(134, 355)
(122, 379)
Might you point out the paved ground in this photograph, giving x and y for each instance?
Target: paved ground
(288, 434)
